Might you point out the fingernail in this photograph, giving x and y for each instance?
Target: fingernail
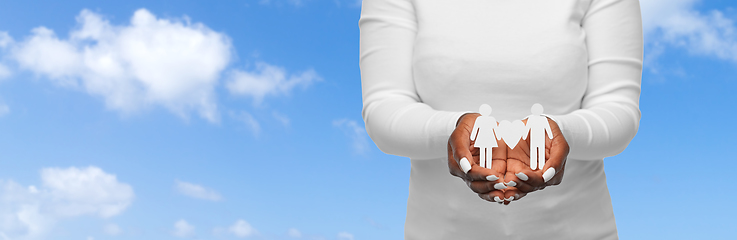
(498, 199)
(549, 174)
(465, 165)
(522, 176)
(492, 178)
(499, 186)
(509, 199)
(511, 184)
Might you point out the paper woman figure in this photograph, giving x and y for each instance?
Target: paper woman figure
(484, 127)
(537, 126)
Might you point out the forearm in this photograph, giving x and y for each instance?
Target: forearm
(396, 118)
(599, 132)
(407, 128)
(609, 116)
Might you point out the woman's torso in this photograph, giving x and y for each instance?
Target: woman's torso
(510, 55)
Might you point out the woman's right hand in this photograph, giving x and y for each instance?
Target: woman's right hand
(463, 162)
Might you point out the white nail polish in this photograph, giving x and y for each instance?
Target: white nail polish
(492, 178)
(465, 165)
(511, 184)
(549, 174)
(499, 186)
(522, 176)
(509, 199)
(498, 199)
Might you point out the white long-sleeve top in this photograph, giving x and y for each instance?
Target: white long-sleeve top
(426, 62)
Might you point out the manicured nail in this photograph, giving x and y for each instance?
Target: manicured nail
(492, 178)
(511, 184)
(465, 165)
(499, 186)
(549, 174)
(498, 199)
(509, 199)
(522, 176)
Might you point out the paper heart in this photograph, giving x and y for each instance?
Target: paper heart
(511, 132)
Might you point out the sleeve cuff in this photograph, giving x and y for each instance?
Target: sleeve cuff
(453, 120)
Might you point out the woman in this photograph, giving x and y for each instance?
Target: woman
(427, 64)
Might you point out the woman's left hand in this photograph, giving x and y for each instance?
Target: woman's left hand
(522, 180)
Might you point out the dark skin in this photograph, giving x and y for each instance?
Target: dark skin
(460, 145)
(507, 164)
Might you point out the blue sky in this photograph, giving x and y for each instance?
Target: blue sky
(273, 146)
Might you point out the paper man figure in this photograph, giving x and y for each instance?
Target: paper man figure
(485, 127)
(537, 126)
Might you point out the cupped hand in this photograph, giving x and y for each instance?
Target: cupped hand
(521, 179)
(463, 162)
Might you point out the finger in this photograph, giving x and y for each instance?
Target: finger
(478, 173)
(513, 195)
(485, 179)
(526, 179)
(453, 165)
(484, 186)
(558, 152)
(475, 172)
(457, 166)
(512, 180)
(459, 145)
(494, 196)
(558, 178)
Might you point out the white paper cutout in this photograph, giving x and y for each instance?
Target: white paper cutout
(511, 132)
(485, 127)
(537, 126)
(486, 132)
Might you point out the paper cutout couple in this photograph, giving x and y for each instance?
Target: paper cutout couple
(486, 132)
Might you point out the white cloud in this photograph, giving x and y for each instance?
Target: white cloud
(679, 24)
(31, 212)
(86, 191)
(22, 213)
(5, 39)
(45, 53)
(267, 80)
(112, 229)
(283, 119)
(293, 232)
(4, 72)
(183, 229)
(242, 229)
(356, 132)
(253, 125)
(149, 62)
(197, 191)
(345, 236)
